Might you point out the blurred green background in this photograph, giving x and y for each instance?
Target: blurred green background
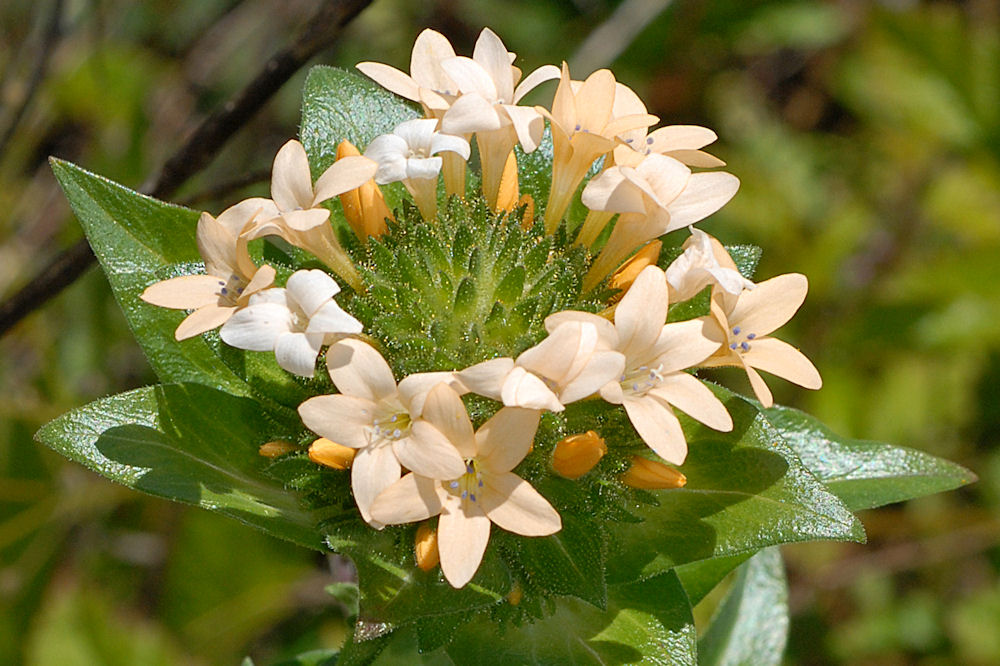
(867, 137)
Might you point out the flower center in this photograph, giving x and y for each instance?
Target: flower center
(637, 381)
(739, 340)
(469, 485)
(231, 290)
(391, 425)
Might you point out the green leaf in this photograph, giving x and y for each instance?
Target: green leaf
(395, 592)
(648, 621)
(311, 658)
(751, 624)
(139, 241)
(571, 561)
(746, 490)
(188, 443)
(862, 473)
(699, 578)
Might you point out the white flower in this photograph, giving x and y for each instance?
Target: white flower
(230, 279)
(409, 155)
(294, 322)
(381, 419)
(704, 262)
(486, 491)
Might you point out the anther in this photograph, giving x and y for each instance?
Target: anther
(745, 346)
(751, 336)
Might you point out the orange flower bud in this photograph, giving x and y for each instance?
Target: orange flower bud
(528, 219)
(514, 598)
(629, 271)
(426, 547)
(507, 196)
(576, 455)
(275, 449)
(365, 207)
(331, 454)
(651, 475)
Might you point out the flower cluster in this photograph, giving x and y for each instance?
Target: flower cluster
(411, 445)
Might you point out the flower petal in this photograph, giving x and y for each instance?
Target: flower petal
(413, 389)
(447, 143)
(681, 345)
(347, 173)
(759, 387)
(444, 410)
(217, 247)
(705, 193)
(525, 389)
(331, 318)
(486, 378)
(611, 191)
(770, 304)
(666, 177)
(658, 427)
(357, 369)
(423, 168)
(374, 469)
(184, 292)
(688, 394)
(297, 352)
(640, 315)
(429, 49)
(602, 368)
(291, 182)
(533, 80)
(429, 453)
(408, 500)
(257, 327)
(490, 54)
(391, 79)
(782, 359)
(311, 289)
(505, 439)
(514, 505)
(677, 137)
(343, 419)
(605, 329)
(463, 532)
(471, 77)
(471, 113)
(305, 220)
(203, 319)
(528, 124)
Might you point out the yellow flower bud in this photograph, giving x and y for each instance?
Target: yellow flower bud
(651, 475)
(576, 455)
(426, 547)
(275, 449)
(528, 219)
(331, 454)
(365, 207)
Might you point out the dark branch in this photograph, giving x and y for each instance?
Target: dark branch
(204, 143)
(46, 46)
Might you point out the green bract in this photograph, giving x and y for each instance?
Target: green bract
(616, 584)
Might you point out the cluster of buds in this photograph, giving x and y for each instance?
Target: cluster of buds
(410, 445)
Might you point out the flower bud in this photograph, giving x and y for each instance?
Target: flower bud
(426, 547)
(275, 449)
(626, 274)
(576, 455)
(365, 207)
(651, 475)
(514, 597)
(331, 454)
(507, 197)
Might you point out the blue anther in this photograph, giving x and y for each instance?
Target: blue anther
(736, 330)
(745, 346)
(751, 336)
(733, 345)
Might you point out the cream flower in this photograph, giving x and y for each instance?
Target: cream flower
(294, 322)
(488, 106)
(382, 420)
(486, 492)
(655, 356)
(584, 127)
(681, 142)
(408, 155)
(654, 198)
(743, 331)
(230, 279)
(428, 84)
(704, 262)
(294, 212)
